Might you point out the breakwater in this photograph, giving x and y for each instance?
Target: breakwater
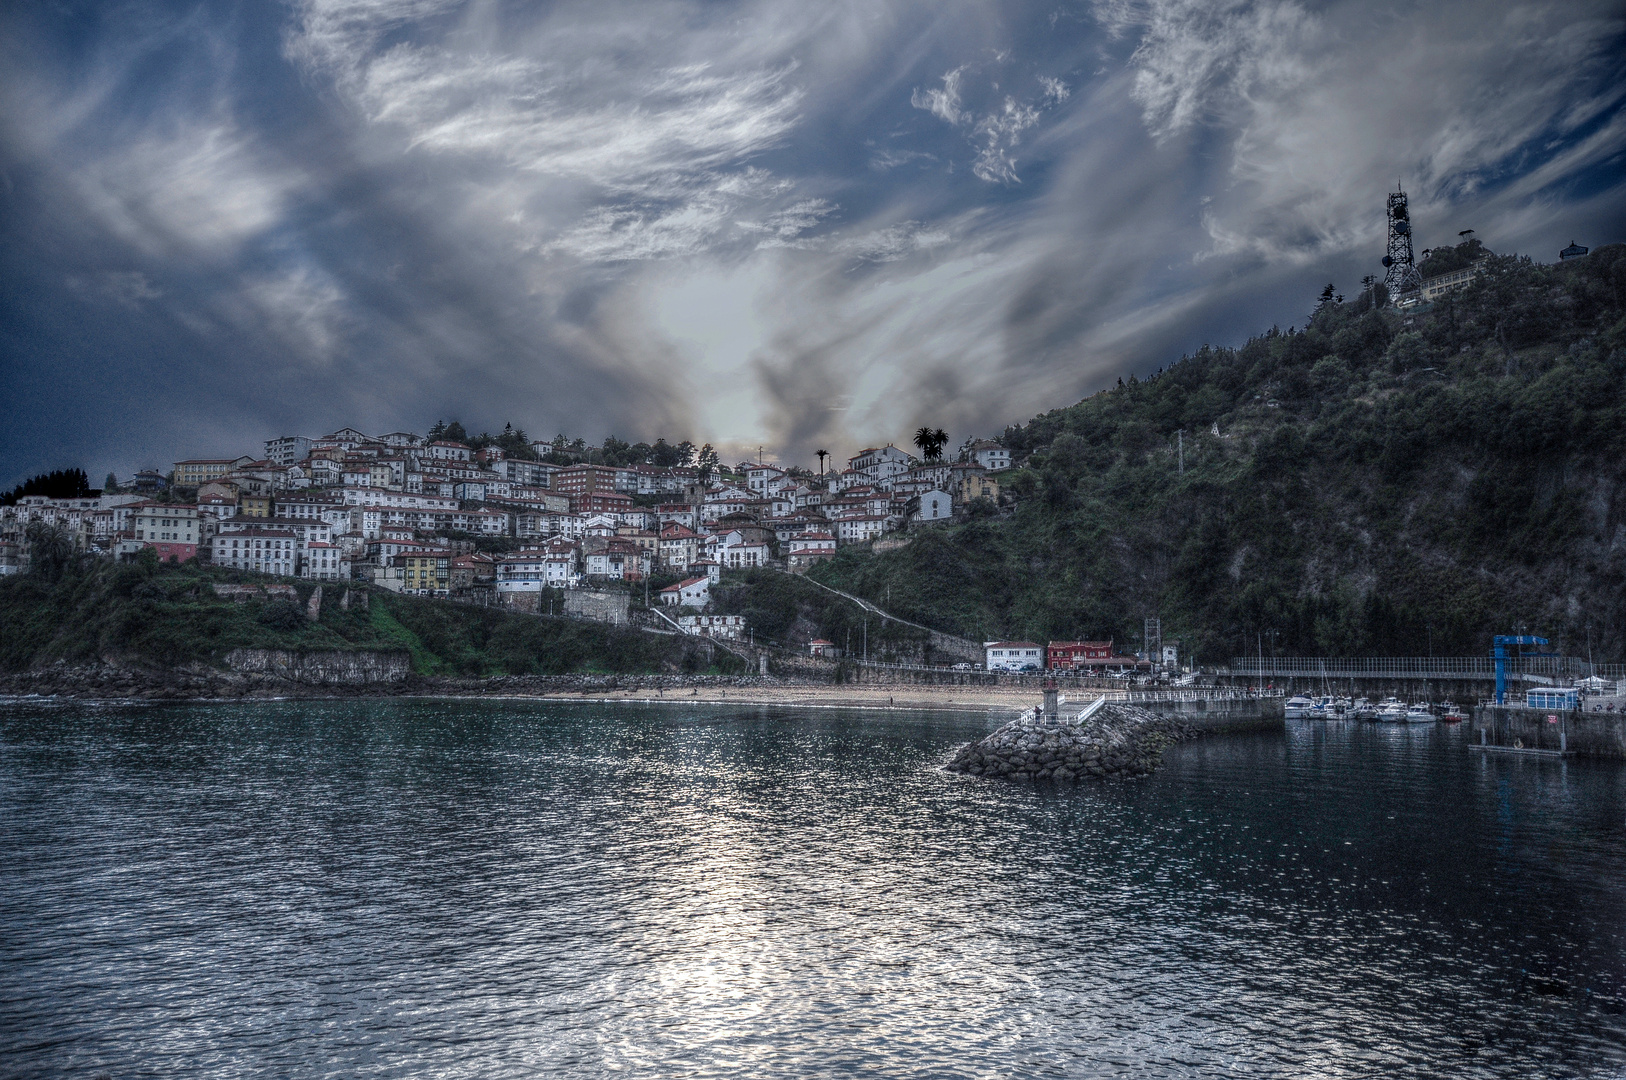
(1117, 741)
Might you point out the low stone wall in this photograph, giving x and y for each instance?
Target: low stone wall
(603, 605)
(1587, 734)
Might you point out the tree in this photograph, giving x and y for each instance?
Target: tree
(110, 486)
(51, 550)
(707, 462)
(1327, 300)
(822, 454)
(931, 442)
(454, 432)
(60, 484)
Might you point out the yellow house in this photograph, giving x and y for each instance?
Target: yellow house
(202, 470)
(427, 572)
(255, 506)
(974, 483)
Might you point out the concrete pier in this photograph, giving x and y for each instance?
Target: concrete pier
(1582, 734)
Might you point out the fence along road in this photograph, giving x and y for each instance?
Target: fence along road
(948, 643)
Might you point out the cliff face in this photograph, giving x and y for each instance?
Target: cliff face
(1379, 483)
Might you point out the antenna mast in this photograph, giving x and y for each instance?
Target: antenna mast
(1400, 272)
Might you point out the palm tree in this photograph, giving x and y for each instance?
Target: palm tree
(822, 454)
(939, 440)
(923, 439)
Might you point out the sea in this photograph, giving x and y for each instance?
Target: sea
(482, 889)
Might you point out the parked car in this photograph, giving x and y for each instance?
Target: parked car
(1030, 667)
(961, 667)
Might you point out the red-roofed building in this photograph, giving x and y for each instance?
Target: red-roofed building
(691, 592)
(1086, 655)
(809, 548)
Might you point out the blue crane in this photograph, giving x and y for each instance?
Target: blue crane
(1501, 643)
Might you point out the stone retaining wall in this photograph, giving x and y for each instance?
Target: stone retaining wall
(329, 668)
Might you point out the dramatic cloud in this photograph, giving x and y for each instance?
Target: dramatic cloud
(753, 223)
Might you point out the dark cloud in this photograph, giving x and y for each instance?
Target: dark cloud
(772, 222)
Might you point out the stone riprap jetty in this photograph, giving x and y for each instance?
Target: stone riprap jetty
(1117, 741)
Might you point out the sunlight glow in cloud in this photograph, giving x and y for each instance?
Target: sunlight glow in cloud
(759, 222)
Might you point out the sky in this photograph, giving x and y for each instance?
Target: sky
(776, 223)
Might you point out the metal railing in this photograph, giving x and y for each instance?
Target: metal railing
(1215, 694)
(1417, 667)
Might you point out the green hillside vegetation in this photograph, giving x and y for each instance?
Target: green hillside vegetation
(1377, 483)
(169, 615)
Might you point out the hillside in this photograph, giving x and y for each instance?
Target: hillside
(147, 613)
(1377, 483)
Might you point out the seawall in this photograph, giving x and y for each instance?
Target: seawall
(1586, 734)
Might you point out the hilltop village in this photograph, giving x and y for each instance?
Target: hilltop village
(504, 521)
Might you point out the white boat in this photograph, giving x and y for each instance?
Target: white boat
(1391, 710)
(1297, 707)
(1325, 708)
(1419, 713)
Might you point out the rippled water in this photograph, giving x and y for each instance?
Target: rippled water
(479, 890)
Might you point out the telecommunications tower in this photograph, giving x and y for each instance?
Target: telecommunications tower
(1400, 273)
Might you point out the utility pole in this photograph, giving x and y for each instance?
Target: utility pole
(866, 640)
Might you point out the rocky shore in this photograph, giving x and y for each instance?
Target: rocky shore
(1118, 741)
(106, 682)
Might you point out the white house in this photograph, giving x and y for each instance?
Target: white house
(171, 529)
(693, 592)
(524, 473)
(865, 460)
(442, 450)
(935, 506)
(990, 455)
(324, 562)
(734, 551)
(731, 627)
(267, 551)
(1014, 655)
(860, 527)
(757, 477)
(288, 449)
